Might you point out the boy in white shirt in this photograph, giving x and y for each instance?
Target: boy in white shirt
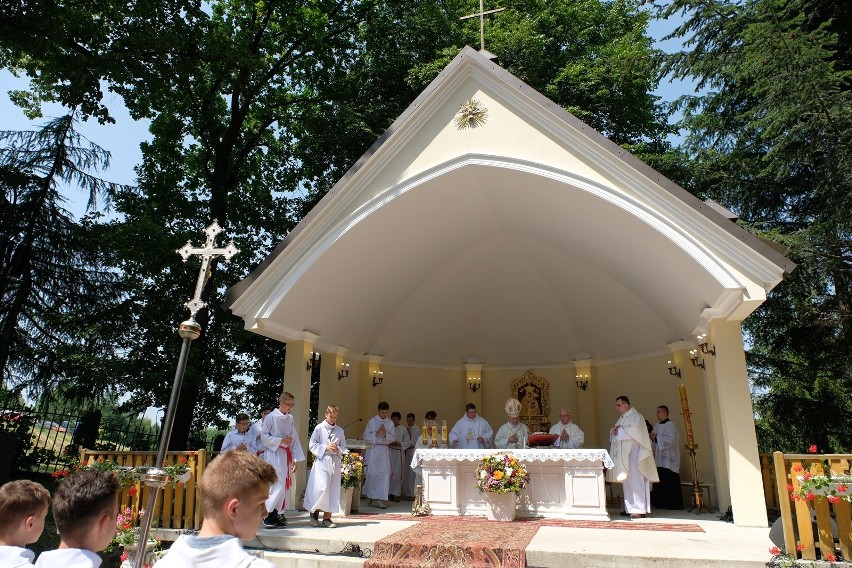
(234, 489)
(84, 508)
(240, 438)
(23, 507)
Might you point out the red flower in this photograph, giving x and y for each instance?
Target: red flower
(800, 547)
(830, 557)
(132, 491)
(812, 449)
(842, 488)
(182, 459)
(59, 473)
(798, 467)
(124, 556)
(807, 476)
(774, 550)
(810, 497)
(833, 499)
(789, 487)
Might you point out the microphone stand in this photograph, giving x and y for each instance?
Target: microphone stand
(353, 422)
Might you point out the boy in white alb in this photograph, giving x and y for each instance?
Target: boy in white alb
(328, 442)
(397, 457)
(283, 450)
(234, 489)
(241, 437)
(257, 428)
(84, 509)
(23, 507)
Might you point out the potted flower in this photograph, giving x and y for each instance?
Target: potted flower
(502, 478)
(127, 537)
(351, 475)
(178, 472)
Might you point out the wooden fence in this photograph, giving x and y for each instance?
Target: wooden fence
(786, 470)
(176, 507)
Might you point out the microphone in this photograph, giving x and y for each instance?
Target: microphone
(353, 422)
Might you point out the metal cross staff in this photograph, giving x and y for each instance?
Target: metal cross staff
(189, 330)
(482, 13)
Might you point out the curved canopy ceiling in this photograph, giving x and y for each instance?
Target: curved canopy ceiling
(499, 266)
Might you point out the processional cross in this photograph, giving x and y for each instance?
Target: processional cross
(189, 330)
(481, 14)
(206, 252)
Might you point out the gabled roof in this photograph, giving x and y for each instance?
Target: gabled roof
(438, 238)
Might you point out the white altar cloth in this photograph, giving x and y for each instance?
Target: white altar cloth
(564, 484)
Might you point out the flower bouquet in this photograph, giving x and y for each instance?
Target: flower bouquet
(501, 473)
(351, 469)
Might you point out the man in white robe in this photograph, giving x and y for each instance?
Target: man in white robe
(633, 457)
(257, 428)
(667, 494)
(378, 434)
(327, 444)
(570, 435)
(513, 434)
(409, 476)
(283, 449)
(471, 432)
(397, 456)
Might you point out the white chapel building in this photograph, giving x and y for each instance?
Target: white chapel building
(488, 234)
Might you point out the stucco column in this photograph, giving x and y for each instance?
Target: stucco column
(737, 423)
(297, 381)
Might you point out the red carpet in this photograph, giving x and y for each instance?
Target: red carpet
(453, 542)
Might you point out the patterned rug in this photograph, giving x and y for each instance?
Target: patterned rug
(625, 525)
(453, 544)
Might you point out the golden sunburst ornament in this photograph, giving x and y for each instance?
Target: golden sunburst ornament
(471, 114)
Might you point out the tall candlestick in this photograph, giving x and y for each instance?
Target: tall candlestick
(684, 403)
(425, 434)
(444, 433)
(435, 435)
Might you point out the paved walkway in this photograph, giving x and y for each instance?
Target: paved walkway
(720, 544)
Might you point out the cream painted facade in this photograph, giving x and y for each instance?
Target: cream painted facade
(530, 242)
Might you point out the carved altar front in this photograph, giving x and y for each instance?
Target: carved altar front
(534, 394)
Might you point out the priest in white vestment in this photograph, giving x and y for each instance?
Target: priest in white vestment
(471, 432)
(570, 435)
(514, 434)
(282, 450)
(327, 444)
(379, 434)
(633, 457)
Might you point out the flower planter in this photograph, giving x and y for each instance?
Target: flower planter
(132, 549)
(501, 506)
(183, 477)
(346, 494)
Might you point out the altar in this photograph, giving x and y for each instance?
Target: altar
(564, 484)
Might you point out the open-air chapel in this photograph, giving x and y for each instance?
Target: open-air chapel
(491, 245)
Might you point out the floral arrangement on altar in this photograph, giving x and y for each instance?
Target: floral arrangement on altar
(813, 486)
(351, 469)
(501, 473)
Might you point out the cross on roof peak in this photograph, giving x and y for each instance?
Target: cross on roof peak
(481, 14)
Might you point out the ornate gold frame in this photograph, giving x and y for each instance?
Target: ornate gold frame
(534, 393)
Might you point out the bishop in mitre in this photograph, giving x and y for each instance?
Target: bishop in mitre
(514, 433)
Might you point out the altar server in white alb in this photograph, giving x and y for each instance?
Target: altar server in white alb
(667, 493)
(633, 456)
(283, 450)
(514, 433)
(471, 432)
(570, 435)
(242, 438)
(408, 474)
(328, 442)
(397, 457)
(379, 434)
(257, 428)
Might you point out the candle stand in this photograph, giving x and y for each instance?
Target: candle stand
(697, 493)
